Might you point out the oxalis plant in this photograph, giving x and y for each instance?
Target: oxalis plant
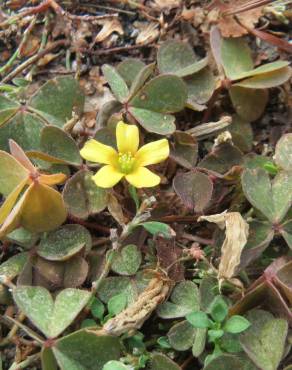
(102, 272)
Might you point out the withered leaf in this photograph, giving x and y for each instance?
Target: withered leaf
(235, 239)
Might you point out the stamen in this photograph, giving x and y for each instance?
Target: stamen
(126, 162)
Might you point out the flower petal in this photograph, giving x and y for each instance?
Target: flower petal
(143, 178)
(127, 138)
(152, 153)
(107, 177)
(95, 151)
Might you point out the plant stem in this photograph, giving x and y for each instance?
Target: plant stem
(28, 331)
(13, 331)
(33, 59)
(17, 52)
(23, 365)
(117, 241)
(43, 43)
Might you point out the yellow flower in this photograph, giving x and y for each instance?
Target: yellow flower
(128, 162)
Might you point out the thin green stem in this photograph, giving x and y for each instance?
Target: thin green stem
(43, 42)
(17, 52)
(117, 241)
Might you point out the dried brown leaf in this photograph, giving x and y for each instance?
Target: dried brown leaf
(137, 313)
(235, 239)
(167, 4)
(115, 209)
(228, 25)
(148, 32)
(169, 254)
(109, 26)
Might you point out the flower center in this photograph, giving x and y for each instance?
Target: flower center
(126, 162)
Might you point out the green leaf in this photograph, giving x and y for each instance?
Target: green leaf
(50, 317)
(218, 309)
(97, 308)
(116, 82)
(236, 57)
(48, 359)
(75, 272)
(286, 232)
(134, 196)
(84, 350)
(127, 261)
(13, 266)
(198, 319)
(82, 196)
(158, 228)
(163, 342)
(129, 69)
(271, 168)
(213, 335)
(88, 323)
(116, 304)
(236, 324)
(230, 343)
(141, 78)
(12, 173)
(195, 189)
(184, 300)
(106, 111)
(260, 343)
(185, 149)
(8, 109)
(222, 158)
(243, 101)
(65, 242)
(225, 362)
(113, 286)
(253, 161)
(201, 86)
(56, 100)
(115, 365)
(158, 123)
(284, 278)
(57, 147)
(162, 362)
(116, 285)
(283, 152)
(266, 68)
(282, 194)
(181, 336)
(24, 128)
(257, 188)
(274, 198)
(241, 132)
(178, 58)
(208, 291)
(23, 237)
(162, 94)
(260, 236)
(199, 342)
(267, 80)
